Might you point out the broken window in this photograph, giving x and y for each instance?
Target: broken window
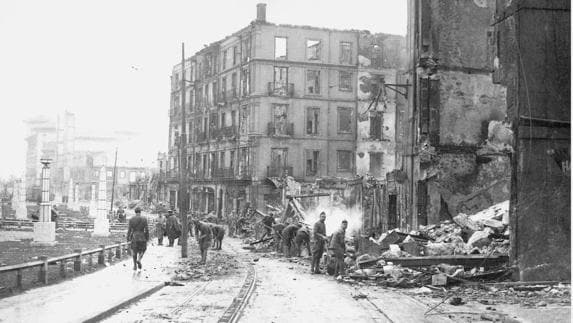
(222, 159)
(207, 95)
(375, 164)
(280, 48)
(235, 55)
(246, 48)
(313, 82)
(376, 125)
(190, 129)
(245, 81)
(208, 64)
(344, 158)
(223, 120)
(205, 165)
(213, 163)
(312, 117)
(344, 120)
(311, 157)
(233, 118)
(234, 84)
(313, 49)
(345, 81)
(280, 119)
(176, 84)
(224, 87)
(214, 121)
(278, 161)
(244, 119)
(232, 160)
(280, 80)
(224, 62)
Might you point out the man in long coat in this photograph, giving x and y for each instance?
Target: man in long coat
(319, 239)
(172, 227)
(138, 235)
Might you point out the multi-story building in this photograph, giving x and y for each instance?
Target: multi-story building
(266, 101)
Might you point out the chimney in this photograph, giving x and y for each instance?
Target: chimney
(261, 12)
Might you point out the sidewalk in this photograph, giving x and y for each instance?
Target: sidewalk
(87, 296)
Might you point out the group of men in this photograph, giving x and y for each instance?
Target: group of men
(138, 234)
(296, 235)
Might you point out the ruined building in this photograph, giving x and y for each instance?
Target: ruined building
(451, 143)
(266, 101)
(532, 42)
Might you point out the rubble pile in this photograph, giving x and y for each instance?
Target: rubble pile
(218, 265)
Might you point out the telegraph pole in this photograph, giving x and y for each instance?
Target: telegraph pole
(113, 183)
(183, 199)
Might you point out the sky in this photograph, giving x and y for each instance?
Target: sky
(109, 62)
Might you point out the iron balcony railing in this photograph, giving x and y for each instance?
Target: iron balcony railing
(280, 129)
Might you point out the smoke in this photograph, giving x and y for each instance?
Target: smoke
(334, 216)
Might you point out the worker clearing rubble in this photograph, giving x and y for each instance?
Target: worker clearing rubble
(203, 236)
(289, 233)
(218, 233)
(302, 237)
(268, 221)
(277, 236)
(338, 248)
(319, 240)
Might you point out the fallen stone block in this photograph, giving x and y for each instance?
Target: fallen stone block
(464, 221)
(439, 280)
(480, 238)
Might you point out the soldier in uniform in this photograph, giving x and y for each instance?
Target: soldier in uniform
(338, 248)
(138, 234)
(302, 237)
(319, 239)
(160, 229)
(288, 235)
(277, 235)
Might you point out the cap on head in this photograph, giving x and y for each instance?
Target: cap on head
(138, 210)
(170, 211)
(344, 221)
(322, 213)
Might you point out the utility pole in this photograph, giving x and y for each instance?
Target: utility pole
(113, 182)
(183, 162)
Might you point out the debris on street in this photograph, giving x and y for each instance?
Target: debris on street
(217, 265)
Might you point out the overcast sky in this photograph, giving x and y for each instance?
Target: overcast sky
(109, 61)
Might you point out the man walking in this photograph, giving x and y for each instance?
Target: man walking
(338, 247)
(160, 229)
(138, 234)
(319, 239)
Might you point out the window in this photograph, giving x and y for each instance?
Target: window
(232, 160)
(376, 125)
(122, 173)
(245, 81)
(313, 82)
(312, 117)
(345, 81)
(221, 159)
(313, 49)
(233, 118)
(344, 158)
(280, 77)
(280, 119)
(246, 45)
(224, 87)
(190, 129)
(223, 119)
(235, 55)
(224, 65)
(375, 164)
(234, 84)
(207, 95)
(280, 48)
(133, 175)
(345, 53)
(311, 157)
(344, 120)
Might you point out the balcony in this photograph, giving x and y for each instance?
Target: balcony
(275, 171)
(280, 129)
(229, 131)
(281, 89)
(244, 172)
(223, 173)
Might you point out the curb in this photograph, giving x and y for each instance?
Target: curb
(110, 311)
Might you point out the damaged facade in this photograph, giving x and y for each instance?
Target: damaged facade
(451, 157)
(533, 60)
(268, 101)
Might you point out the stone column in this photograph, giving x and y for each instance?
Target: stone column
(20, 200)
(93, 202)
(45, 230)
(101, 223)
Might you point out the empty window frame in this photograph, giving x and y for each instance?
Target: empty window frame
(235, 55)
(344, 120)
(375, 163)
(376, 124)
(344, 160)
(311, 162)
(344, 81)
(234, 84)
(312, 49)
(312, 120)
(313, 82)
(280, 48)
(224, 62)
(245, 81)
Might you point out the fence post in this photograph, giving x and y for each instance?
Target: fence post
(44, 270)
(110, 256)
(63, 268)
(19, 279)
(118, 250)
(101, 255)
(78, 260)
